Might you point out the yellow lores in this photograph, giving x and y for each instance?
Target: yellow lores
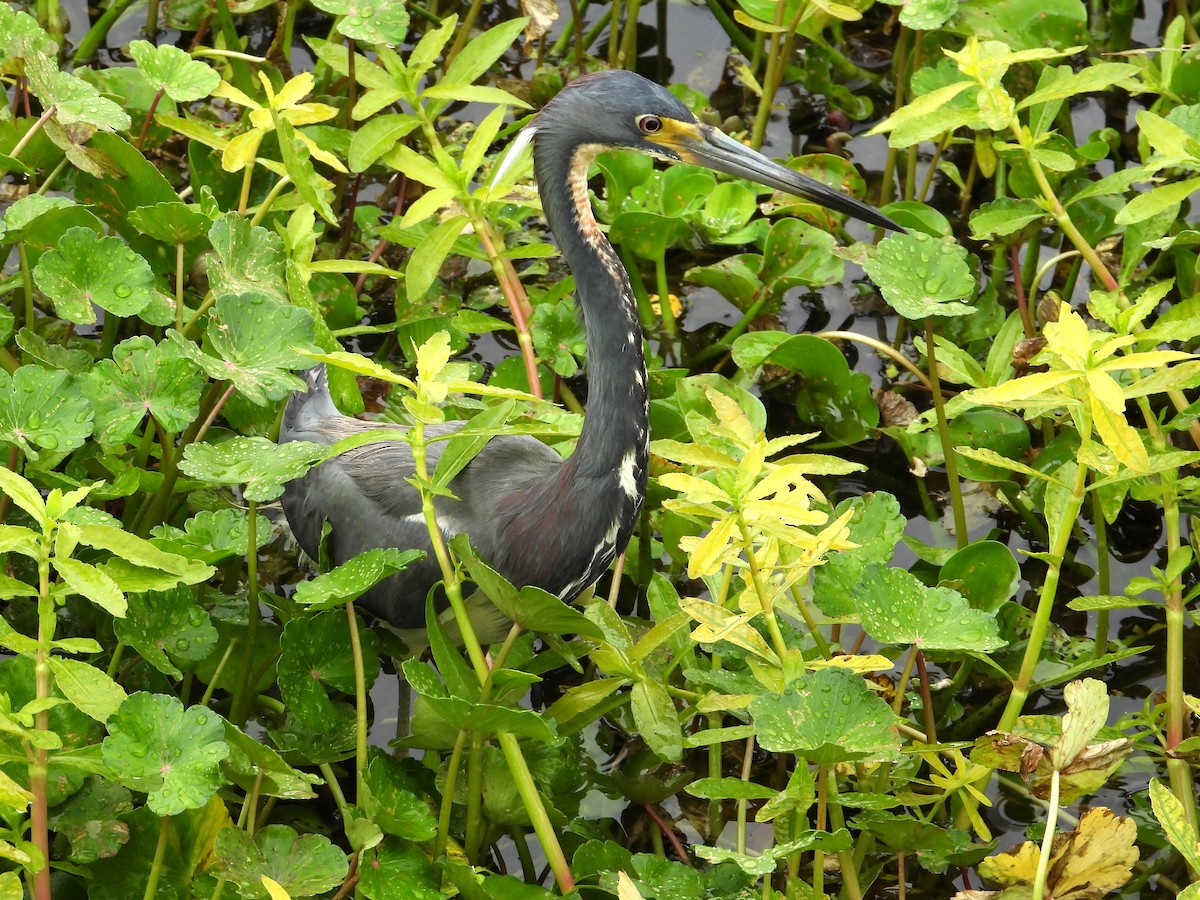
(241, 151)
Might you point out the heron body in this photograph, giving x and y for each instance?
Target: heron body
(537, 518)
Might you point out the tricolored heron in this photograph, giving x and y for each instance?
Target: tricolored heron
(537, 518)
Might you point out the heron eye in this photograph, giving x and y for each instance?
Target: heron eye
(650, 124)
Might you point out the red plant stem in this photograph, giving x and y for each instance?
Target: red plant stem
(518, 304)
(1019, 290)
(397, 211)
(149, 117)
(667, 830)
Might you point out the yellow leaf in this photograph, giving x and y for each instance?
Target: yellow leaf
(1068, 338)
(872, 663)
(1151, 359)
(695, 489)
(626, 889)
(781, 479)
(692, 454)
(731, 416)
(432, 357)
(719, 624)
(1105, 390)
(308, 113)
(274, 890)
(240, 151)
(706, 557)
(292, 92)
(1020, 391)
(1121, 439)
(227, 91)
(921, 106)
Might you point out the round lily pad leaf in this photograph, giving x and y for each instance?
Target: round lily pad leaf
(90, 820)
(262, 467)
(999, 430)
(648, 234)
(85, 269)
(171, 222)
(896, 608)
(393, 802)
(73, 99)
(921, 275)
(171, 753)
(985, 572)
(303, 865)
(315, 656)
(143, 377)
(167, 626)
(173, 71)
(25, 210)
(369, 21)
(40, 411)
(255, 341)
(397, 870)
(826, 718)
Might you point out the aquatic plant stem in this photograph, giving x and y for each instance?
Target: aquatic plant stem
(747, 768)
(39, 756)
(961, 537)
(1043, 866)
(880, 347)
(446, 809)
(160, 854)
(850, 886)
(1103, 575)
(360, 700)
(244, 697)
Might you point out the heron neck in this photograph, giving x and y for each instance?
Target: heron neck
(614, 436)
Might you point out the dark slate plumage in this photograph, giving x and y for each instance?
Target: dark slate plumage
(538, 519)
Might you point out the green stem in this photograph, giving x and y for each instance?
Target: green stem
(1103, 576)
(961, 537)
(837, 819)
(764, 596)
(542, 827)
(180, 277)
(160, 854)
(269, 200)
(94, 39)
(360, 699)
(212, 684)
(664, 301)
(447, 807)
(474, 835)
(747, 767)
(39, 767)
(464, 31)
(244, 698)
(1043, 866)
(27, 280)
(335, 788)
(33, 129)
(627, 56)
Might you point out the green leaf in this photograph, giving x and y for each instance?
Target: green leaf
(22, 492)
(92, 584)
(768, 861)
(87, 688)
(156, 746)
(367, 21)
(927, 15)
(896, 608)
(166, 626)
(486, 718)
(1096, 77)
(378, 136)
(303, 865)
(252, 765)
(91, 821)
(142, 378)
(353, 578)
(142, 553)
(171, 222)
(393, 802)
(39, 411)
(1170, 814)
(876, 527)
(261, 466)
(728, 788)
(250, 259)
(173, 71)
(826, 718)
(85, 269)
(315, 655)
(427, 258)
(921, 276)
(256, 342)
(397, 870)
(27, 210)
(481, 52)
(1160, 199)
(656, 718)
(1003, 217)
(212, 535)
(985, 572)
(73, 99)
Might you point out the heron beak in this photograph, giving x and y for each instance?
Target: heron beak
(703, 145)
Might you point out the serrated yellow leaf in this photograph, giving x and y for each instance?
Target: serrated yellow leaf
(240, 151)
(432, 357)
(781, 479)
(731, 416)
(706, 558)
(695, 489)
(1120, 437)
(1105, 390)
(1068, 338)
(693, 454)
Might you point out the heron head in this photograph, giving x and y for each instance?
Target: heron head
(622, 110)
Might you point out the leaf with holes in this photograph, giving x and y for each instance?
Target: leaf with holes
(90, 820)
(826, 718)
(85, 269)
(262, 467)
(353, 578)
(315, 656)
(303, 865)
(170, 753)
(167, 627)
(255, 343)
(38, 411)
(171, 222)
(921, 276)
(143, 378)
(173, 71)
(896, 608)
